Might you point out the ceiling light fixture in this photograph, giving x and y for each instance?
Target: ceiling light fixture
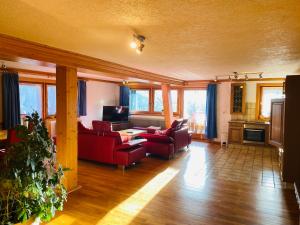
(260, 76)
(137, 43)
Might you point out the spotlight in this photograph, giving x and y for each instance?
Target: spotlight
(246, 77)
(216, 79)
(236, 75)
(137, 43)
(229, 77)
(133, 44)
(139, 49)
(260, 76)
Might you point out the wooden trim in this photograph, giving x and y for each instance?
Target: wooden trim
(36, 80)
(259, 87)
(12, 48)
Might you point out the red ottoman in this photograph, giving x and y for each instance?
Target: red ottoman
(125, 157)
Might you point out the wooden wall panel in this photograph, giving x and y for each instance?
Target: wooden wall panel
(66, 122)
(168, 112)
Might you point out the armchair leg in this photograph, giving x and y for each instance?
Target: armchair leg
(122, 167)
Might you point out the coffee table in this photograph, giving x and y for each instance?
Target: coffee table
(132, 132)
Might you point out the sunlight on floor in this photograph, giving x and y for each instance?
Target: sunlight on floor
(195, 172)
(126, 211)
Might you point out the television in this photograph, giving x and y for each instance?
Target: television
(115, 113)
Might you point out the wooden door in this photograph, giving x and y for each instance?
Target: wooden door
(277, 122)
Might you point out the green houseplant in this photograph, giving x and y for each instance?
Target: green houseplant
(30, 179)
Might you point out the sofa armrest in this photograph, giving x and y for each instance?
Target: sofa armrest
(157, 138)
(130, 144)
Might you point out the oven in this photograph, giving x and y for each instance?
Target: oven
(254, 133)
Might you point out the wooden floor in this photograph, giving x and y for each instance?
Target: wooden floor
(205, 185)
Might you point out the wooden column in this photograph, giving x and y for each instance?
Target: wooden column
(66, 122)
(168, 112)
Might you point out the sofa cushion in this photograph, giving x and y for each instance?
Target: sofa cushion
(177, 124)
(102, 126)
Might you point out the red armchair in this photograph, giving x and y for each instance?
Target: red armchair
(108, 147)
(166, 143)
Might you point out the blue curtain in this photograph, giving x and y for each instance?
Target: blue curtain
(11, 100)
(211, 112)
(81, 98)
(124, 96)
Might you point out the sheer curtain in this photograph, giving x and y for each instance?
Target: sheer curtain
(195, 110)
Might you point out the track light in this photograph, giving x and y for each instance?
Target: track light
(125, 82)
(137, 43)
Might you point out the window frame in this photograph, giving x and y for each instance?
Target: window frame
(151, 102)
(46, 101)
(44, 83)
(259, 95)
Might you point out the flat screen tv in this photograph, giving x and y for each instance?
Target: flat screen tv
(115, 113)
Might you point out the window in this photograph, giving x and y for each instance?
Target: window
(158, 101)
(265, 93)
(51, 100)
(195, 109)
(31, 98)
(39, 96)
(139, 100)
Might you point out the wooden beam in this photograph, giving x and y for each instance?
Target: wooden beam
(168, 112)
(11, 47)
(66, 122)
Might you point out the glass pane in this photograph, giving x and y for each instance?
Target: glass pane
(158, 101)
(51, 100)
(174, 99)
(139, 100)
(31, 98)
(195, 110)
(269, 93)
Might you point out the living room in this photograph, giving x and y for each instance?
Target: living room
(116, 112)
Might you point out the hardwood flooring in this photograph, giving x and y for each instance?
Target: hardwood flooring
(205, 185)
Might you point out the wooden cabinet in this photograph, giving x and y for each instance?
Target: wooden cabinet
(277, 122)
(235, 133)
(285, 130)
(238, 98)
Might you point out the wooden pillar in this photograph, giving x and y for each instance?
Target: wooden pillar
(66, 123)
(168, 112)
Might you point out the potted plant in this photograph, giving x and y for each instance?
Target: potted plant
(30, 179)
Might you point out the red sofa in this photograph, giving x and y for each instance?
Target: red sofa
(168, 142)
(106, 146)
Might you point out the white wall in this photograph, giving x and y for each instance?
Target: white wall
(98, 95)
